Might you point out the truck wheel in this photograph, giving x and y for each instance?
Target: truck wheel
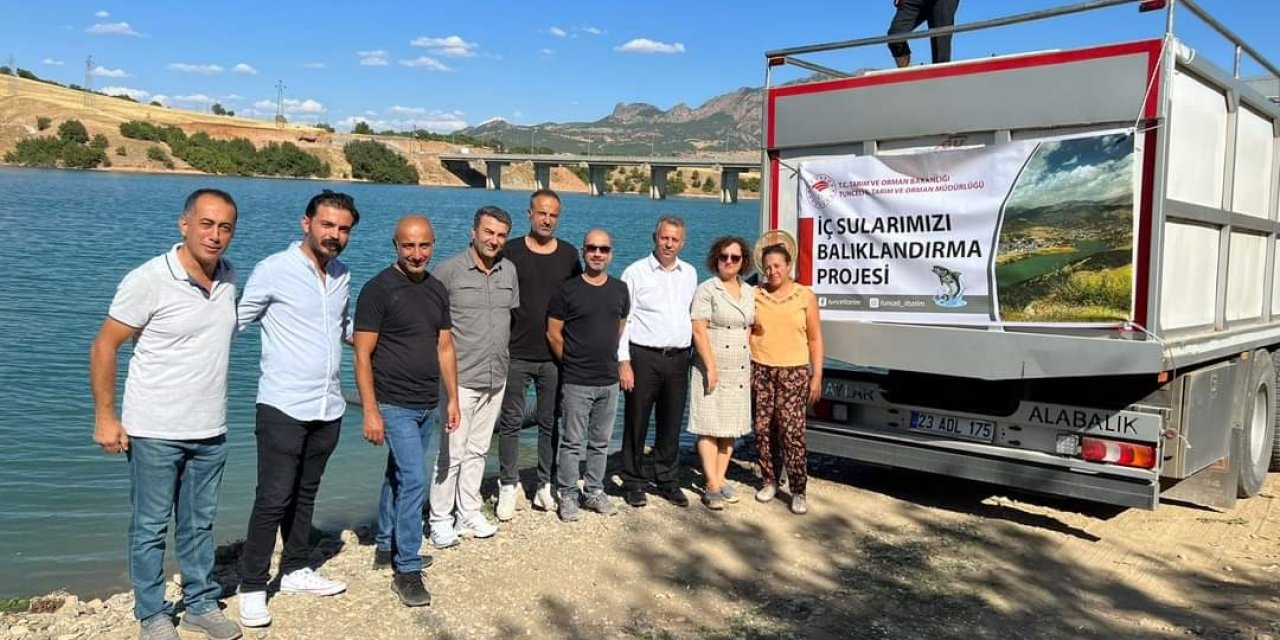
(1257, 436)
(1275, 430)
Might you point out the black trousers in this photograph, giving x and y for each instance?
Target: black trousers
(292, 455)
(546, 384)
(661, 383)
(913, 13)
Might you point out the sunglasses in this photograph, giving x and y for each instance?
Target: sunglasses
(598, 248)
(731, 258)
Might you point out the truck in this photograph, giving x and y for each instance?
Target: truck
(1053, 271)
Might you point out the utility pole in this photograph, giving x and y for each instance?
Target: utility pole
(88, 81)
(280, 119)
(13, 75)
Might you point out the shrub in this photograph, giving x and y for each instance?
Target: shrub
(36, 152)
(73, 131)
(157, 154)
(99, 142)
(121, 151)
(43, 122)
(77, 156)
(374, 161)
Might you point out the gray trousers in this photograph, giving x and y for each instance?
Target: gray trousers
(589, 413)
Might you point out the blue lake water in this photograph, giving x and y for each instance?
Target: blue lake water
(66, 239)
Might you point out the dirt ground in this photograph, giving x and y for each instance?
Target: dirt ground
(882, 554)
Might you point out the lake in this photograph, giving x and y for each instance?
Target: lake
(68, 239)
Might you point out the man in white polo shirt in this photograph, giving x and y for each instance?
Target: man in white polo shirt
(180, 310)
(300, 297)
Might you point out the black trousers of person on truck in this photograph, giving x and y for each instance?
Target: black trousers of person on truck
(912, 14)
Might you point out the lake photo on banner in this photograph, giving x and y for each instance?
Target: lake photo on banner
(69, 237)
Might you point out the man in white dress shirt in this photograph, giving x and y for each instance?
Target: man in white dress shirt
(653, 363)
(300, 297)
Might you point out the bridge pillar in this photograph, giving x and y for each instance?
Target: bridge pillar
(729, 185)
(599, 174)
(658, 182)
(541, 175)
(493, 175)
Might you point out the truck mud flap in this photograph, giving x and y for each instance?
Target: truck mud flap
(1126, 492)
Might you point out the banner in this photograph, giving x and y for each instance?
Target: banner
(1028, 231)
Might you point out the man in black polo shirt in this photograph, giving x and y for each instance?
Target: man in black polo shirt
(542, 263)
(403, 349)
(585, 318)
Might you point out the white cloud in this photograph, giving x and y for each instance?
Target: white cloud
(436, 121)
(370, 112)
(101, 13)
(53, 63)
(245, 69)
(645, 45)
(112, 29)
(103, 72)
(136, 94)
(546, 52)
(161, 98)
(428, 63)
(195, 99)
(450, 47)
(313, 65)
(557, 32)
(233, 97)
(202, 69)
(407, 111)
(291, 106)
(594, 31)
(375, 58)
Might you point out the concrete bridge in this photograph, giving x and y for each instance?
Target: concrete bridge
(598, 168)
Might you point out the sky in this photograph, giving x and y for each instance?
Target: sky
(443, 66)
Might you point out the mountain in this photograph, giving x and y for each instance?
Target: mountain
(726, 123)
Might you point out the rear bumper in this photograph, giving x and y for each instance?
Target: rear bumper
(1127, 491)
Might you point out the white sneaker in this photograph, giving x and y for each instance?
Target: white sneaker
(253, 609)
(477, 526)
(544, 499)
(506, 502)
(443, 534)
(311, 583)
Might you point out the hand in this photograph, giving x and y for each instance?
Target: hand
(626, 378)
(815, 387)
(713, 378)
(453, 417)
(110, 435)
(374, 429)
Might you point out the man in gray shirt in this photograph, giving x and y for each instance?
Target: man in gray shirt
(483, 290)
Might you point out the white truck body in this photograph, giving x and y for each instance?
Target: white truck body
(1185, 374)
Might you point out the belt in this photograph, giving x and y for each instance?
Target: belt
(666, 351)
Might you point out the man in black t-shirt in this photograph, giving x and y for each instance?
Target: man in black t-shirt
(403, 349)
(542, 264)
(585, 319)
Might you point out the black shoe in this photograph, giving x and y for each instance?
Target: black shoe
(636, 497)
(410, 589)
(674, 495)
(382, 559)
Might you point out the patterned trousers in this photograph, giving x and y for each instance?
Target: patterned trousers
(780, 395)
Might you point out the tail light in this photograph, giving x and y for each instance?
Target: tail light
(1151, 5)
(1125, 454)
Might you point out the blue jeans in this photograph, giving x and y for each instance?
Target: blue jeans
(178, 478)
(589, 413)
(404, 487)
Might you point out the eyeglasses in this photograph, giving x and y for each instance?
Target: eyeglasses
(598, 248)
(731, 258)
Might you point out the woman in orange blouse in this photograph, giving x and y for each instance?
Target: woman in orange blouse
(786, 373)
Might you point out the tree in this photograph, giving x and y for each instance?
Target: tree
(217, 109)
(708, 186)
(23, 73)
(376, 162)
(5, 70)
(99, 142)
(43, 122)
(75, 156)
(675, 184)
(362, 127)
(156, 103)
(73, 131)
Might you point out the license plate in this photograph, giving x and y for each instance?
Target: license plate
(953, 426)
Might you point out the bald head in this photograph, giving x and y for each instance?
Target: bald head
(414, 240)
(597, 251)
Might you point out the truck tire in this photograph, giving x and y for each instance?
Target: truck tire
(1258, 433)
(1275, 429)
